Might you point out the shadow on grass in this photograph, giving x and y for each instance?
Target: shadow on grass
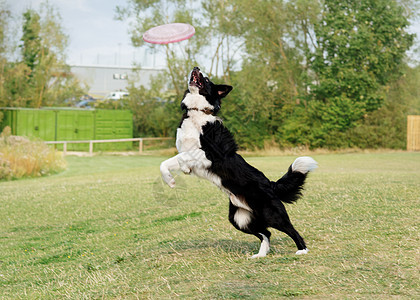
(278, 246)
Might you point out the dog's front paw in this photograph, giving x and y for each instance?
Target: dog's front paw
(301, 252)
(185, 169)
(166, 175)
(171, 183)
(169, 179)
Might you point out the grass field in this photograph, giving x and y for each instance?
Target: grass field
(108, 228)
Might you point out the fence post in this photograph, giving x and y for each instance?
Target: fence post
(413, 133)
(141, 146)
(90, 148)
(64, 149)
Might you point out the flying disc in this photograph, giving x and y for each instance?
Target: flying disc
(169, 33)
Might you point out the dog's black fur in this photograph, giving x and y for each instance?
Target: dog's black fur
(255, 201)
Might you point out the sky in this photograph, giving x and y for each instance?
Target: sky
(97, 38)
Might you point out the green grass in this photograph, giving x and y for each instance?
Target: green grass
(107, 227)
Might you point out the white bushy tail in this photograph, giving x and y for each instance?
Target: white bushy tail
(304, 164)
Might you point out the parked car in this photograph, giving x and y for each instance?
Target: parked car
(86, 101)
(116, 95)
(86, 104)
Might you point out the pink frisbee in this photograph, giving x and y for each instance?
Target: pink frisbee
(169, 33)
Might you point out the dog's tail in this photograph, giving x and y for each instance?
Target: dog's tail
(289, 187)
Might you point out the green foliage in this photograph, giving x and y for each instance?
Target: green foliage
(154, 117)
(249, 116)
(387, 126)
(40, 77)
(31, 40)
(313, 73)
(361, 46)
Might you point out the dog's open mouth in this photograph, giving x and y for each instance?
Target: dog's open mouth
(196, 78)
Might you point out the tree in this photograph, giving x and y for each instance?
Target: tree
(387, 126)
(31, 40)
(272, 81)
(211, 42)
(310, 71)
(225, 29)
(360, 49)
(152, 13)
(4, 21)
(40, 76)
(43, 51)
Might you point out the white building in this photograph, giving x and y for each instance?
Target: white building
(103, 80)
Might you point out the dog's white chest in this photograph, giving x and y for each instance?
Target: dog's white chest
(188, 135)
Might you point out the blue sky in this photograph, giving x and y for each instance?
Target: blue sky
(97, 38)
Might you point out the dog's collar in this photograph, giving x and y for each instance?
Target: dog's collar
(207, 111)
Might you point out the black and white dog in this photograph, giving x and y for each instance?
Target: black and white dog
(207, 149)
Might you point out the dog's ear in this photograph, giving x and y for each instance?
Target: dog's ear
(223, 90)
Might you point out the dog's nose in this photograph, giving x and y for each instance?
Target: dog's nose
(196, 69)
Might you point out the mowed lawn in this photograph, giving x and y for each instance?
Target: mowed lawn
(108, 228)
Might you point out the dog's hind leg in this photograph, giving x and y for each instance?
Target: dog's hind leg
(292, 232)
(279, 220)
(300, 243)
(265, 243)
(242, 220)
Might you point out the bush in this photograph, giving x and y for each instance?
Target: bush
(21, 157)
